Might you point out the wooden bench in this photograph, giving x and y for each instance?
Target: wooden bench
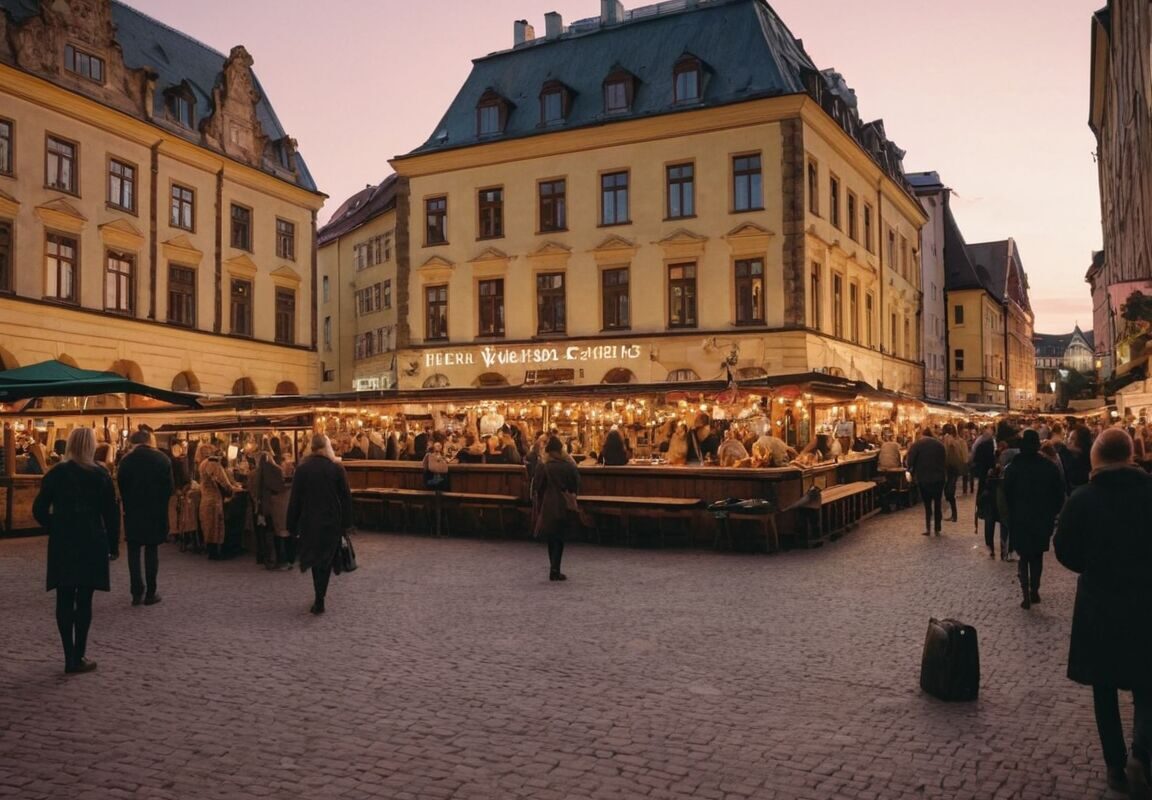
(481, 502)
(842, 508)
(407, 501)
(677, 510)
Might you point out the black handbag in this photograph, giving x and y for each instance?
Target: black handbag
(345, 558)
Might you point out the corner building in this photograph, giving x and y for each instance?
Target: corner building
(657, 195)
(155, 218)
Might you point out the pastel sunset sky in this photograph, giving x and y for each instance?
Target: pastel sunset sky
(992, 94)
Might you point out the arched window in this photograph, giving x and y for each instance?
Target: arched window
(619, 375)
(286, 388)
(436, 381)
(751, 373)
(490, 379)
(66, 359)
(127, 369)
(682, 376)
(186, 381)
(244, 386)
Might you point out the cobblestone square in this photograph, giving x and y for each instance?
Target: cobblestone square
(452, 668)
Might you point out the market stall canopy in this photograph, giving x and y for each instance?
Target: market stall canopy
(57, 379)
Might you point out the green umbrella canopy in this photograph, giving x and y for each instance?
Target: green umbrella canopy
(56, 379)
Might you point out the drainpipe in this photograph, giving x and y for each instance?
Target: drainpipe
(881, 309)
(153, 214)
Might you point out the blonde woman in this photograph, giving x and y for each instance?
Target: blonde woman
(215, 488)
(77, 504)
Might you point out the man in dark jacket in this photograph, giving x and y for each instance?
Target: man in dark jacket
(145, 480)
(1103, 535)
(1034, 491)
(928, 462)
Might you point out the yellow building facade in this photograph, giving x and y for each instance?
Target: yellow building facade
(656, 231)
(976, 342)
(153, 220)
(359, 307)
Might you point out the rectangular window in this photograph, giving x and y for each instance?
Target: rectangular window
(959, 359)
(387, 293)
(491, 204)
(122, 185)
(682, 296)
(837, 306)
(551, 305)
(958, 314)
(488, 119)
(813, 189)
(285, 316)
(817, 297)
(747, 183)
(491, 307)
(681, 179)
(183, 208)
(868, 228)
(60, 166)
(6, 147)
(182, 296)
(892, 335)
(61, 273)
(181, 108)
(368, 299)
(435, 220)
(83, 64)
(241, 227)
(749, 291)
(614, 290)
(553, 205)
(686, 86)
(853, 228)
(6, 256)
(285, 239)
(891, 252)
(328, 334)
(834, 200)
(869, 324)
(551, 106)
(436, 321)
(119, 283)
(854, 312)
(326, 289)
(241, 307)
(907, 340)
(904, 265)
(616, 96)
(614, 198)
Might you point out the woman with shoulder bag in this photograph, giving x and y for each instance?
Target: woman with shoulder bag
(555, 485)
(319, 512)
(77, 504)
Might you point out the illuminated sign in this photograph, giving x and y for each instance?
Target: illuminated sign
(491, 356)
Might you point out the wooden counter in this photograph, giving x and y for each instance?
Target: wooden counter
(16, 496)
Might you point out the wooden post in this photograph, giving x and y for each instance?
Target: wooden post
(8, 468)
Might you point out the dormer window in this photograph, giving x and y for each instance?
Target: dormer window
(686, 80)
(83, 64)
(491, 114)
(619, 88)
(553, 103)
(181, 107)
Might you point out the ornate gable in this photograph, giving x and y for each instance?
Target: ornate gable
(233, 128)
(683, 243)
(61, 215)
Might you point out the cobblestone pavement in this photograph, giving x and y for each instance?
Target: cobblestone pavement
(453, 669)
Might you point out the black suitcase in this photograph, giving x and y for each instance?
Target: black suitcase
(950, 669)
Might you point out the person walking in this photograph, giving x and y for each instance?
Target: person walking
(956, 463)
(319, 511)
(554, 478)
(928, 462)
(77, 504)
(146, 485)
(269, 489)
(1103, 536)
(1034, 493)
(1076, 456)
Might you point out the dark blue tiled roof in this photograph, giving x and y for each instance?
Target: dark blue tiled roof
(746, 51)
(179, 60)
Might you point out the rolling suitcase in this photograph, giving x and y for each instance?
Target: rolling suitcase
(950, 669)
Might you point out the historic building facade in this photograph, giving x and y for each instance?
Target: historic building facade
(155, 219)
(642, 197)
(933, 196)
(1121, 119)
(1057, 355)
(359, 307)
(1008, 284)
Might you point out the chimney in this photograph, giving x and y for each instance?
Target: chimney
(522, 32)
(553, 25)
(611, 12)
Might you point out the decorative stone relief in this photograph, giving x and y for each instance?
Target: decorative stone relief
(233, 127)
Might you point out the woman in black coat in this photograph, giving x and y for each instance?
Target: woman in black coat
(77, 505)
(1034, 491)
(1103, 535)
(319, 511)
(555, 476)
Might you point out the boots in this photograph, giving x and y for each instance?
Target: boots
(952, 505)
(1026, 603)
(280, 543)
(213, 552)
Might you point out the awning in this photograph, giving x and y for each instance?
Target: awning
(56, 379)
